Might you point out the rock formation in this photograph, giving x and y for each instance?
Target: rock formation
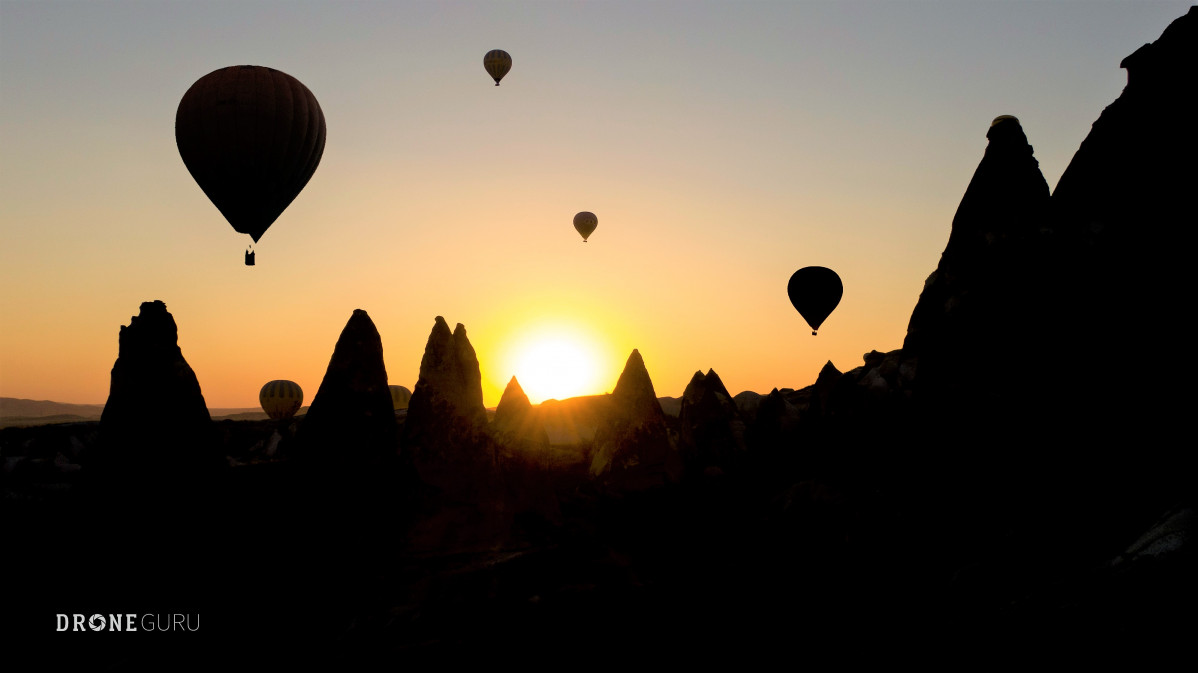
(351, 420)
(447, 441)
(1021, 416)
(774, 431)
(979, 297)
(516, 425)
(155, 426)
(1124, 211)
(711, 432)
(447, 422)
(632, 447)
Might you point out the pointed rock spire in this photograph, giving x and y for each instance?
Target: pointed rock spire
(513, 404)
(978, 297)
(517, 425)
(450, 378)
(632, 447)
(155, 424)
(634, 390)
(447, 422)
(352, 418)
(711, 432)
(469, 375)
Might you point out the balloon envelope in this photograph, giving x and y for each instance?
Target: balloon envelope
(251, 137)
(281, 399)
(815, 291)
(585, 223)
(497, 62)
(400, 397)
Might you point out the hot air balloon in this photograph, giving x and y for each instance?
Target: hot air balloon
(815, 291)
(281, 399)
(400, 397)
(585, 223)
(251, 137)
(497, 62)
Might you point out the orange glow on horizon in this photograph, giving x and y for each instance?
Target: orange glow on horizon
(551, 359)
(550, 366)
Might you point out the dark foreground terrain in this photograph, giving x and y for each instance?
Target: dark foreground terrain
(1018, 479)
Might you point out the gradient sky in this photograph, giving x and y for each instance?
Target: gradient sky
(722, 145)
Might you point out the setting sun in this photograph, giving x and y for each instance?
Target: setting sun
(555, 366)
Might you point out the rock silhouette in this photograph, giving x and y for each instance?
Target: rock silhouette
(711, 432)
(516, 424)
(632, 448)
(1016, 475)
(446, 440)
(351, 420)
(155, 431)
(1123, 212)
(980, 298)
(447, 422)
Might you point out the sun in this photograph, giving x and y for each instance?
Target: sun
(555, 366)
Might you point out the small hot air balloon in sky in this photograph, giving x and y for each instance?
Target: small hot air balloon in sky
(251, 137)
(497, 62)
(400, 396)
(281, 399)
(585, 223)
(815, 291)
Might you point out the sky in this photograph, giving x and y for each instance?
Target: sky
(722, 146)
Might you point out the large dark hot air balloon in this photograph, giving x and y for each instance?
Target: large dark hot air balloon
(585, 223)
(497, 62)
(251, 137)
(815, 291)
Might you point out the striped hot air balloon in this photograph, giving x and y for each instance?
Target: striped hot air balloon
(497, 62)
(400, 396)
(281, 399)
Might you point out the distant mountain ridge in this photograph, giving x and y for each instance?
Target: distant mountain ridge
(20, 411)
(49, 411)
(18, 407)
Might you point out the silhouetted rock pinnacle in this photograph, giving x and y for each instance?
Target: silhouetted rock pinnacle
(634, 390)
(513, 404)
(446, 429)
(978, 298)
(711, 432)
(632, 447)
(449, 390)
(825, 383)
(352, 419)
(774, 427)
(155, 425)
(446, 439)
(516, 423)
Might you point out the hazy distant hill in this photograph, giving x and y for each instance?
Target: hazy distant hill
(15, 411)
(21, 412)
